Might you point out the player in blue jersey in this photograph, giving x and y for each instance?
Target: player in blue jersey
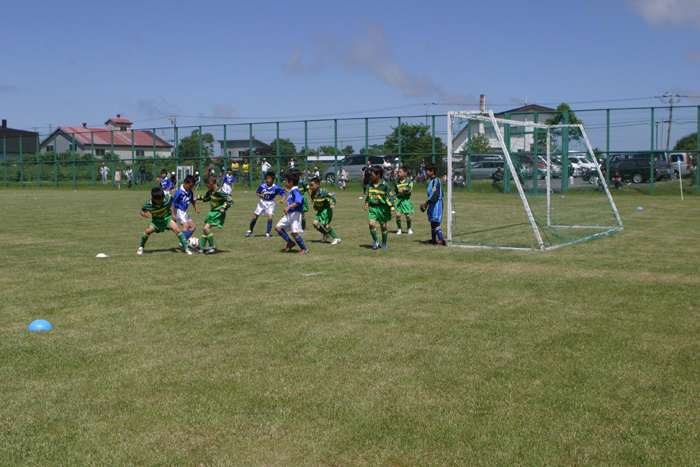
(434, 205)
(292, 214)
(181, 201)
(165, 182)
(227, 181)
(266, 192)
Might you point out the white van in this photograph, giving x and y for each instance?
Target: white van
(681, 162)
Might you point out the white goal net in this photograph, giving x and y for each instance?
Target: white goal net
(533, 196)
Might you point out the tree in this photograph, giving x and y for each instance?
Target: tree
(287, 148)
(479, 144)
(188, 148)
(330, 150)
(558, 118)
(416, 142)
(687, 143)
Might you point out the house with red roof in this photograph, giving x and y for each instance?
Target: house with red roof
(116, 137)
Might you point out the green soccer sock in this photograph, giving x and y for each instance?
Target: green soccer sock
(373, 231)
(333, 234)
(183, 239)
(211, 240)
(205, 239)
(321, 229)
(398, 223)
(303, 223)
(385, 235)
(408, 222)
(144, 239)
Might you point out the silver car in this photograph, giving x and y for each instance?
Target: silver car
(352, 166)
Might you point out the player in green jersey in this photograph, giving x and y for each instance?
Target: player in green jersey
(324, 203)
(403, 189)
(220, 202)
(380, 205)
(159, 208)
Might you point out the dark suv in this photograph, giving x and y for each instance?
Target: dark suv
(661, 164)
(635, 170)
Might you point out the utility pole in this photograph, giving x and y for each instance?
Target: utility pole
(427, 107)
(670, 99)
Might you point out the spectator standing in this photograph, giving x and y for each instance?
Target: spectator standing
(104, 171)
(265, 166)
(118, 179)
(142, 173)
(129, 175)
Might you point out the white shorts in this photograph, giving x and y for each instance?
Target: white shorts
(226, 188)
(291, 221)
(181, 216)
(265, 206)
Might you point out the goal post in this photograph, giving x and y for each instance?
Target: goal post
(551, 209)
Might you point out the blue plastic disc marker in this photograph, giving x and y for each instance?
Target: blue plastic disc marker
(40, 325)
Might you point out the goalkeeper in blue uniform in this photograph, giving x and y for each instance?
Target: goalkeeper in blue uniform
(434, 205)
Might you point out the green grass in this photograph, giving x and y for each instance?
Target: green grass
(417, 355)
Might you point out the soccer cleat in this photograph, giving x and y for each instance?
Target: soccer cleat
(410, 231)
(432, 242)
(375, 246)
(325, 238)
(181, 247)
(267, 235)
(210, 251)
(439, 243)
(398, 232)
(336, 241)
(189, 252)
(247, 234)
(303, 252)
(290, 245)
(384, 247)
(139, 251)
(201, 252)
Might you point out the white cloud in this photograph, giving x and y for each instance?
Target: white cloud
(659, 12)
(369, 52)
(222, 111)
(157, 107)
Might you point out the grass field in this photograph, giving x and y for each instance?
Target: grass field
(417, 355)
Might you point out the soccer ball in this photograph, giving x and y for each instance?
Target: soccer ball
(193, 243)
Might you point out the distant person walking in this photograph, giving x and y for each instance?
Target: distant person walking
(104, 171)
(118, 179)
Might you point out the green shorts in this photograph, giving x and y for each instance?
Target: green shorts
(216, 219)
(325, 216)
(404, 206)
(161, 225)
(380, 213)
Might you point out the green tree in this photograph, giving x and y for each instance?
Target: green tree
(188, 149)
(558, 118)
(687, 143)
(416, 142)
(330, 150)
(287, 148)
(479, 144)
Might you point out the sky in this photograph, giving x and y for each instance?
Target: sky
(215, 61)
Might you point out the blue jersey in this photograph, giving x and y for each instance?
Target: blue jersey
(182, 198)
(434, 190)
(295, 196)
(269, 192)
(166, 184)
(229, 179)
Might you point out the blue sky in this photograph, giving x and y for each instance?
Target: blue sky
(209, 62)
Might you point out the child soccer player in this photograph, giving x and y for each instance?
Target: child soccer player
(324, 203)
(267, 192)
(303, 189)
(292, 214)
(404, 187)
(165, 183)
(379, 203)
(228, 181)
(181, 201)
(159, 207)
(220, 202)
(434, 205)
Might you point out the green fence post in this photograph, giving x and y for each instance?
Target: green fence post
(335, 151)
(201, 160)
(565, 155)
(21, 164)
(133, 149)
(75, 185)
(398, 134)
(306, 147)
(250, 155)
(468, 166)
(4, 158)
(697, 156)
(92, 159)
(55, 161)
(278, 150)
(38, 164)
(111, 149)
(225, 154)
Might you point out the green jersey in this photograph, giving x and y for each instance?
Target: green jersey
(159, 211)
(380, 195)
(404, 188)
(219, 199)
(323, 199)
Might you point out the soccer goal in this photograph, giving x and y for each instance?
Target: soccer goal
(534, 198)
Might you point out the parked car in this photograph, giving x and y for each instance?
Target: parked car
(352, 165)
(661, 163)
(635, 170)
(681, 163)
(484, 169)
(580, 164)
